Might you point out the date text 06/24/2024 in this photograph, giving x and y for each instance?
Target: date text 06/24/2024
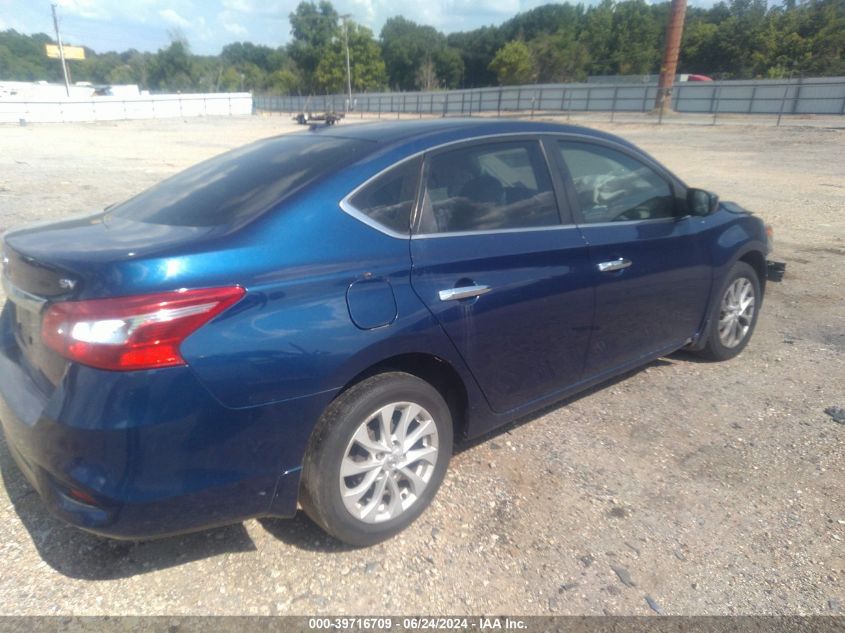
(417, 623)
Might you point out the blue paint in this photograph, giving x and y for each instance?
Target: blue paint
(328, 298)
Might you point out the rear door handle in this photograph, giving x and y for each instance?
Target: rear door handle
(614, 264)
(463, 292)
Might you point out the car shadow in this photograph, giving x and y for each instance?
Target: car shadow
(78, 554)
(302, 533)
(686, 356)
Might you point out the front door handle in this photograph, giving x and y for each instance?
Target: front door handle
(614, 264)
(463, 292)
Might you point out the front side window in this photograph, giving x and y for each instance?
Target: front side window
(388, 199)
(613, 187)
(495, 186)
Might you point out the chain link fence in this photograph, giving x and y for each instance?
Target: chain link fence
(774, 99)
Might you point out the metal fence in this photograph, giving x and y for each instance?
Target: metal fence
(774, 97)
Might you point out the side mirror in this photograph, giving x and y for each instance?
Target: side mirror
(701, 202)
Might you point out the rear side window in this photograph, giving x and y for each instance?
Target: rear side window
(388, 199)
(495, 186)
(613, 187)
(240, 185)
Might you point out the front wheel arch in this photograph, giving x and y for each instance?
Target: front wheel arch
(751, 255)
(757, 260)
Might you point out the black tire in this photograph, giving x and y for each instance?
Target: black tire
(715, 348)
(321, 482)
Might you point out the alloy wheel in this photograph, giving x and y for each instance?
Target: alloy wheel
(736, 312)
(389, 462)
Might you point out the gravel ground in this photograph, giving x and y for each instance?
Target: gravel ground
(682, 488)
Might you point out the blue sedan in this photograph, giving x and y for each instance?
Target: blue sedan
(312, 319)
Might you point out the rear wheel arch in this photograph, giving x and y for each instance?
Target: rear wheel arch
(434, 370)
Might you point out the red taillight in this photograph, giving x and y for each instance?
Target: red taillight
(139, 332)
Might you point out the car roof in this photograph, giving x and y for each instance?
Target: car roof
(432, 132)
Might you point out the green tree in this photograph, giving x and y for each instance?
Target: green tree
(740, 39)
(824, 25)
(368, 70)
(131, 69)
(406, 45)
(172, 68)
(559, 57)
(636, 39)
(477, 49)
(229, 79)
(241, 53)
(314, 28)
(596, 36)
(543, 20)
(514, 64)
(22, 57)
(700, 50)
(448, 67)
(283, 81)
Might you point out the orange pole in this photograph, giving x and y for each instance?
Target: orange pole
(674, 31)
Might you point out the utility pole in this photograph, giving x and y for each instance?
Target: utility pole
(674, 30)
(61, 49)
(345, 19)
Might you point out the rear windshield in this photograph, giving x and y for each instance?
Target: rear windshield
(240, 185)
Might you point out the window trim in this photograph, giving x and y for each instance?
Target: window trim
(523, 229)
(347, 206)
(561, 180)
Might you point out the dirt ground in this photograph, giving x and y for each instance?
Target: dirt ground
(699, 488)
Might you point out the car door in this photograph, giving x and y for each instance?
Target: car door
(649, 264)
(508, 279)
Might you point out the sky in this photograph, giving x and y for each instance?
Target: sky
(211, 24)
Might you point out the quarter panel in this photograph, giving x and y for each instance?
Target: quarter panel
(292, 334)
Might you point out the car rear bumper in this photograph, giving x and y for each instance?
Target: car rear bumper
(145, 454)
